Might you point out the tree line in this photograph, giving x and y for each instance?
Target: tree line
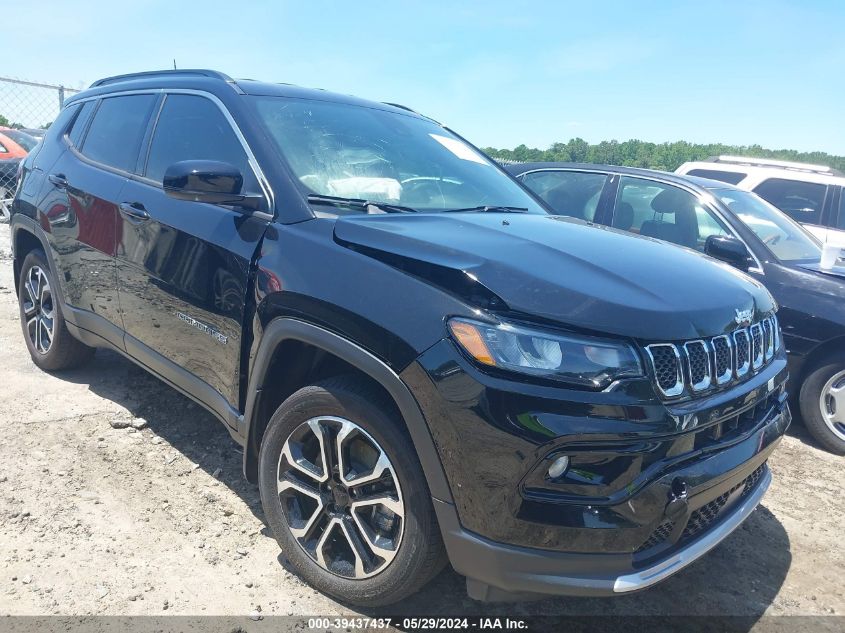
(4, 122)
(663, 156)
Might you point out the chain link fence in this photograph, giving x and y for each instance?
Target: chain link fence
(27, 108)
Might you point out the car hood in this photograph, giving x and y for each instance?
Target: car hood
(563, 270)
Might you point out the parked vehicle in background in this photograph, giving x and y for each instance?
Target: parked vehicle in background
(10, 149)
(26, 141)
(809, 194)
(738, 227)
(418, 360)
(11, 154)
(35, 132)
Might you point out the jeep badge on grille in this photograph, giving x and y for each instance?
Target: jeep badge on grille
(743, 317)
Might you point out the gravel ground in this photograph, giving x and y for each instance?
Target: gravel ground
(119, 496)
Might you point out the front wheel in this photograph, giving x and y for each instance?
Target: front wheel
(345, 495)
(822, 401)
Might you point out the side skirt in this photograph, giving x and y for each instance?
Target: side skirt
(96, 331)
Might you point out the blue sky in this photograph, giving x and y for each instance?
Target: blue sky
(500, 73)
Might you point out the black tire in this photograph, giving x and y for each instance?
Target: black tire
(64, 351)
(420, 554)
(811, 408)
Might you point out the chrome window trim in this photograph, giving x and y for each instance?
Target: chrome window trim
(710, 204)
(678, 388)
(728, 375)
(757, 360)
(708, 376)
(263, 182)
(707, 200)
(739, 372)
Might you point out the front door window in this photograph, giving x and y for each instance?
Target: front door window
(665, 212)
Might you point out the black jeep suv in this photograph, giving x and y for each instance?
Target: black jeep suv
(418, 359)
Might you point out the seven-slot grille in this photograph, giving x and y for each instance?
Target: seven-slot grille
(695, 366)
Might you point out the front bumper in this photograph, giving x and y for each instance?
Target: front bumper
(686, 555)
(618, 525)
(500, 572)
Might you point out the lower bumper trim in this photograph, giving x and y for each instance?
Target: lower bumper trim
(679, 560)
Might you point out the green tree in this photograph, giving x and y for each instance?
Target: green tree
(664, 156)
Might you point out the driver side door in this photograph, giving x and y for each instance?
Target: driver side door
(183, 267)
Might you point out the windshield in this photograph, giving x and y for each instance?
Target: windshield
(351, 151)
(786, 239)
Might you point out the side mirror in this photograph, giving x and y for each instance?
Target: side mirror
(727, 249)
(208, 181)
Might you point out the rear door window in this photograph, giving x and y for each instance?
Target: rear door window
(665, 212)
(572, 193)
(731, 177)
(115, 134)
(802, 201)
(80, 123)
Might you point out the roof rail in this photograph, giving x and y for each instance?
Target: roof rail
(400, 106)
(780, 164)
(193, 72)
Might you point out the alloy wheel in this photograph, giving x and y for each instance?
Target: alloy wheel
(38, 309)
(832, 403)
(341, 497)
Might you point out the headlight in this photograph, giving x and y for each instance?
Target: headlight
(581, 360)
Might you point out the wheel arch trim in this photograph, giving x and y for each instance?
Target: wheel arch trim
(26, 224)
(283, 329)
(812, 359)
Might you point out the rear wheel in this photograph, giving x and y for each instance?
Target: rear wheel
(50, 344)
(345, 496)
(822, 403)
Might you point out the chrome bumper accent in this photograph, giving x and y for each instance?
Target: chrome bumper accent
(697, 549)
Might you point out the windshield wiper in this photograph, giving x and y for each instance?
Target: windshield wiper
(358, 203)
(489, 208)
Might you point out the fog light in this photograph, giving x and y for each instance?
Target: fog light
(558, 467)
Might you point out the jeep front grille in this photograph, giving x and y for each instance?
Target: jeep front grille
(667, 368)
(757, 346)
(743, 353)
(723, 351)
(695, 366)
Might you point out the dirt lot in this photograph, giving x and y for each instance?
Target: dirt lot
(158, 520)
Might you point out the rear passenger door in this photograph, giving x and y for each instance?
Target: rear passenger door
(184, 267)
(81, 205)
(576, 194)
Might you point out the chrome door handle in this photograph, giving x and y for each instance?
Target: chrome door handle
(133, 211)
(59, 181)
